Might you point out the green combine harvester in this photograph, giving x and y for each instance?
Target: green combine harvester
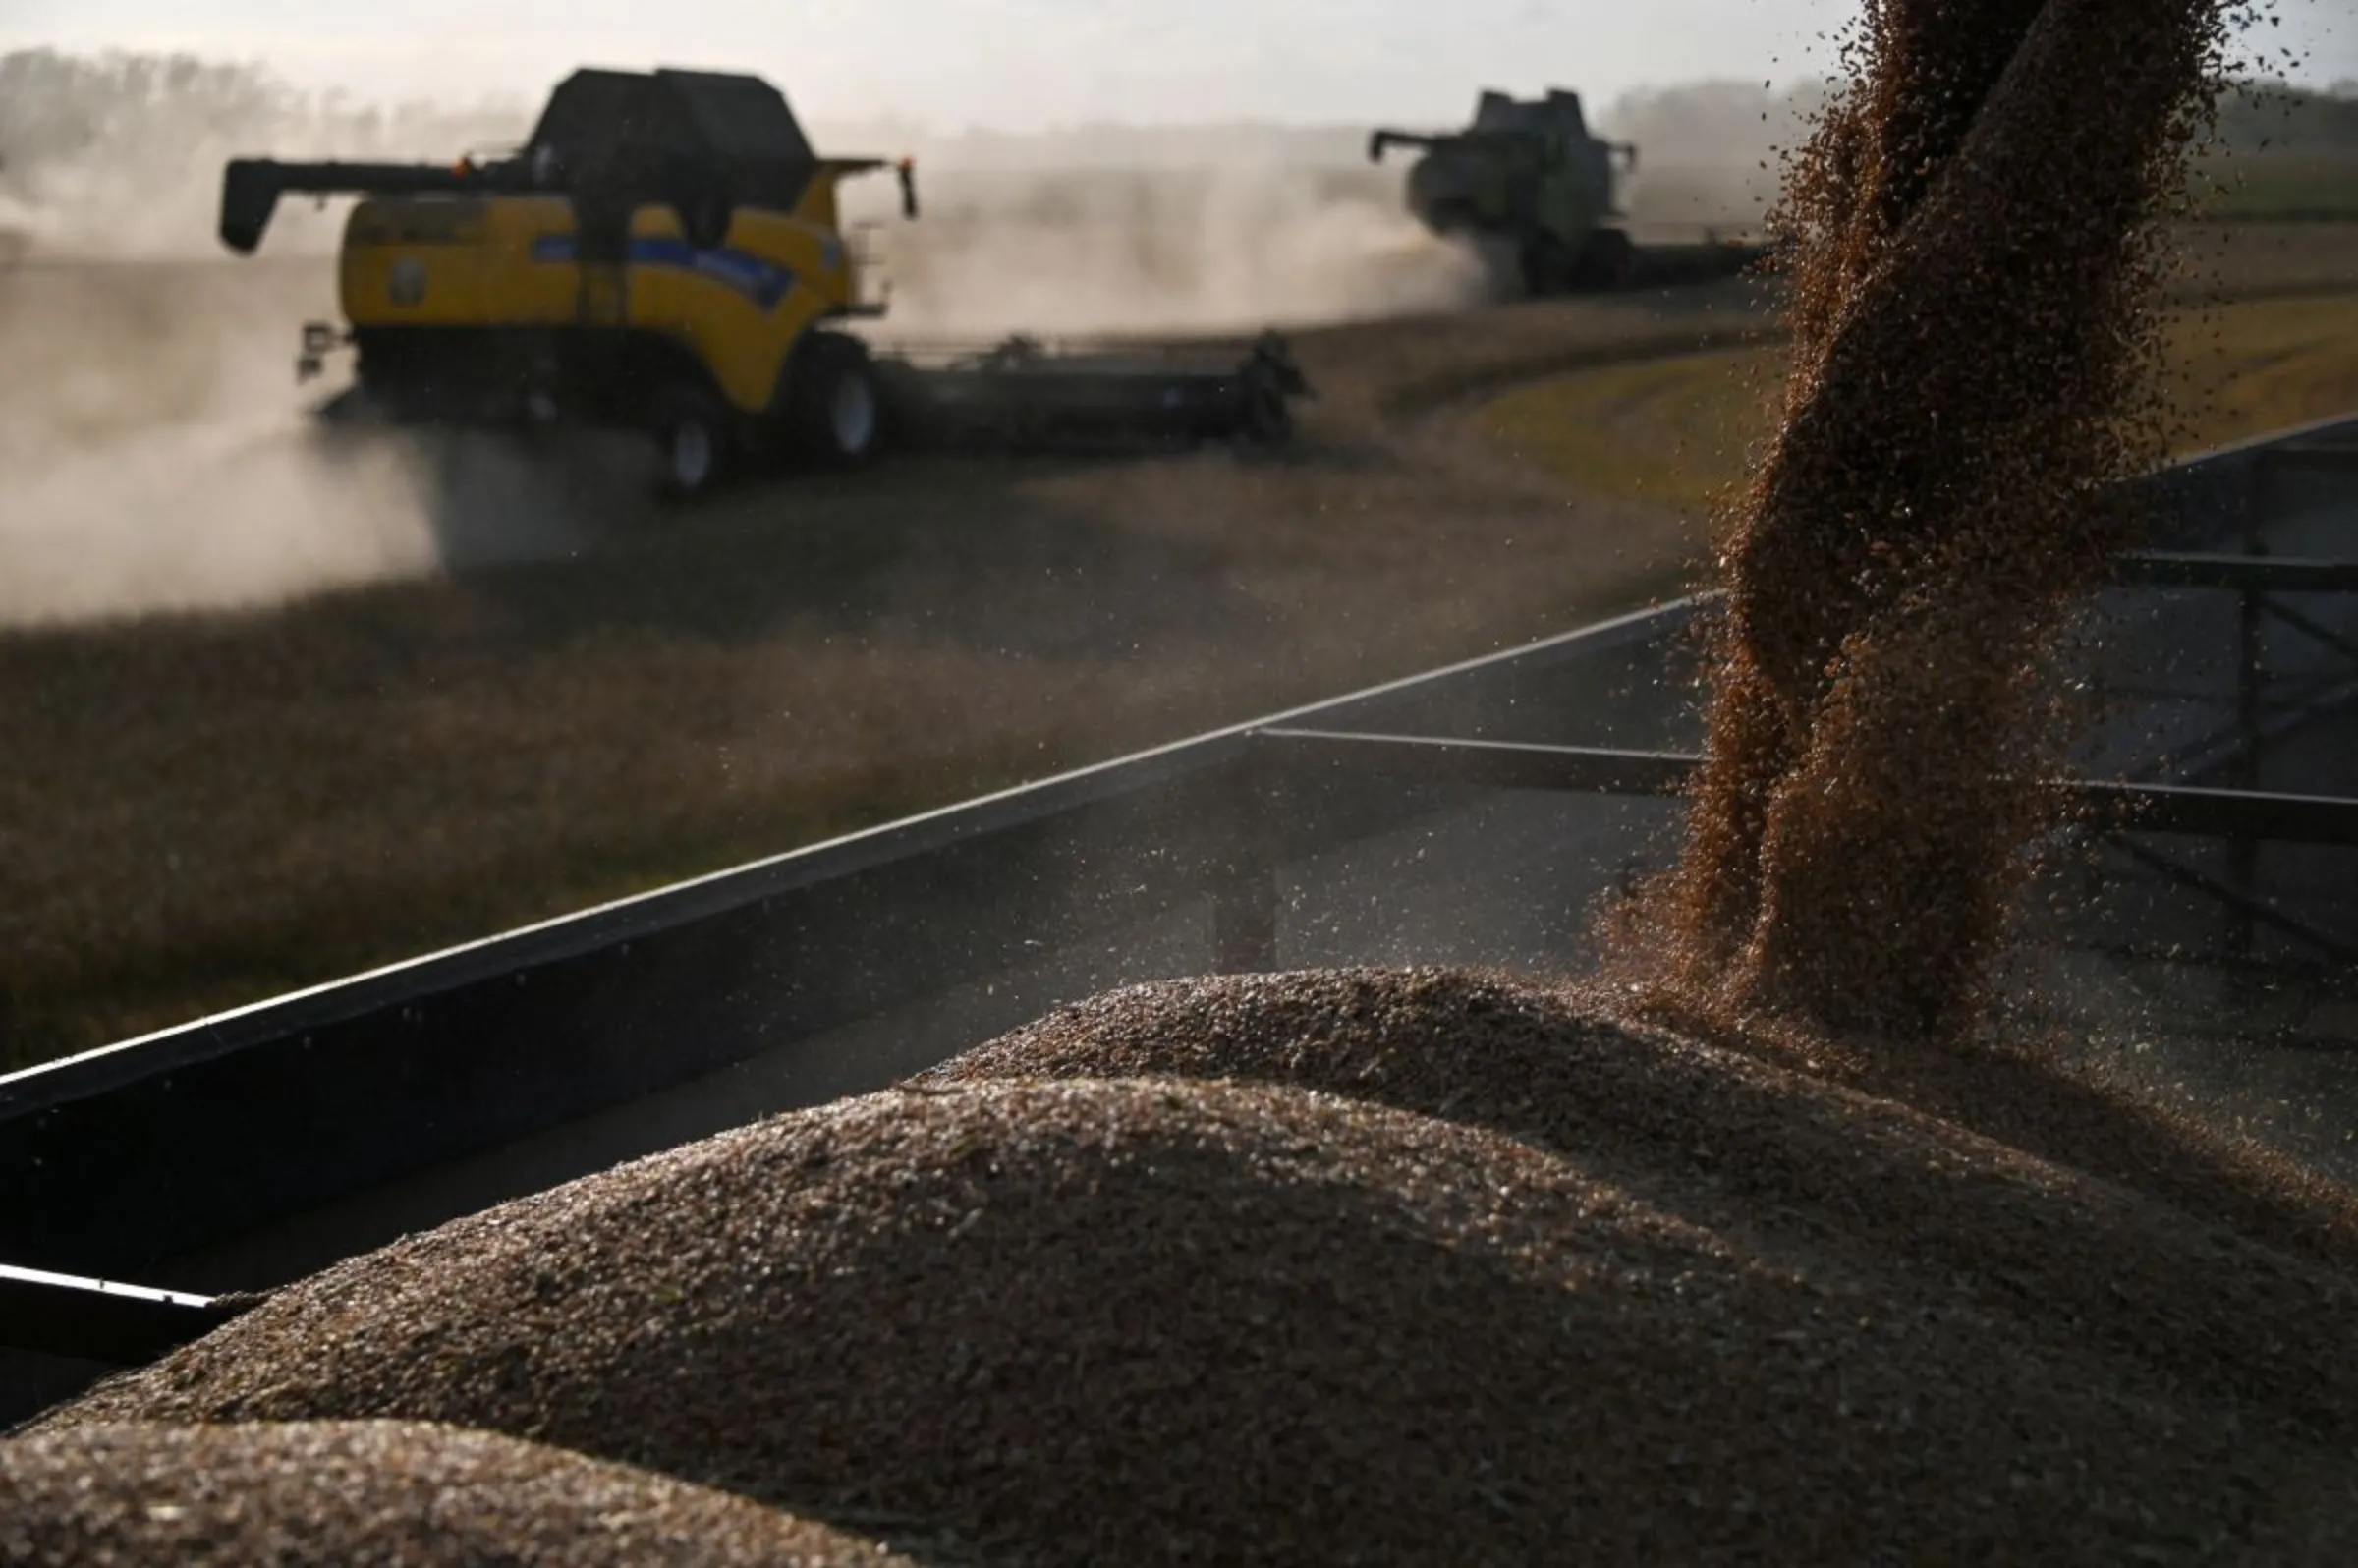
(1529, 177)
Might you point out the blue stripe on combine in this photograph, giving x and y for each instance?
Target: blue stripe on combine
(762, 281)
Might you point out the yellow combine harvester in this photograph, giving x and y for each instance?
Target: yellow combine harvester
(665, 253)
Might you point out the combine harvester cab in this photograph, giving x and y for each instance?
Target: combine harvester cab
(664, 253)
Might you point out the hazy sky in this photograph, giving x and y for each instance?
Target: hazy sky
(1022, 64)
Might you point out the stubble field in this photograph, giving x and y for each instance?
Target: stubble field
(379, 700)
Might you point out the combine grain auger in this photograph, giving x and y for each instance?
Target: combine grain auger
(665, 253)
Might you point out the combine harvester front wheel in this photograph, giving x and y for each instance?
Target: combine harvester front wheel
(836, 409)
(699, 443)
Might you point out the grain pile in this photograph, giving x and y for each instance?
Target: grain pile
(373, 1494)
(1549, 1066)
(1975, 294)
(1160, 1321)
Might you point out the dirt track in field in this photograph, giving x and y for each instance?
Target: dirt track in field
(203, 809)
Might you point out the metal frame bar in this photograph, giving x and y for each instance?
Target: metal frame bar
(2328, 638)
(1484, 764)
(2185, 811)
(101, 1320)
(2323, 976)
(2252, 911)
(2250, 572)
(2317, 450)
(2217, 753)
(2233, 815)
(2298, 695)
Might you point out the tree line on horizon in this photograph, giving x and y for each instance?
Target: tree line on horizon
(111, 132)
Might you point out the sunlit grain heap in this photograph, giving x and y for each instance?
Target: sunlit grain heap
(1529, 1279)
(374, 1494)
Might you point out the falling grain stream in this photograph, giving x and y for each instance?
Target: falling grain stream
(1975, 320)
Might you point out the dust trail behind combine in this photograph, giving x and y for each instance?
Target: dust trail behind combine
(161, 457)
(157, 455)
(1173, 248)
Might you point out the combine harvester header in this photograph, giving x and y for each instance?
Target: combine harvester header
(665, 253)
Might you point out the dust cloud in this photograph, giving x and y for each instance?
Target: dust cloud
(1710, 151)
(120, 156)
(1176, 248)
(158, 455)
(1134, 229)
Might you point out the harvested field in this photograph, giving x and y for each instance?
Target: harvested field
(373, 1494)
(2289, 185)
(1622, 1289)
(1675, 433)
(203, 809)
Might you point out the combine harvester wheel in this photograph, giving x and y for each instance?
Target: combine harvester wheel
(701, 444)
(835, 408)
